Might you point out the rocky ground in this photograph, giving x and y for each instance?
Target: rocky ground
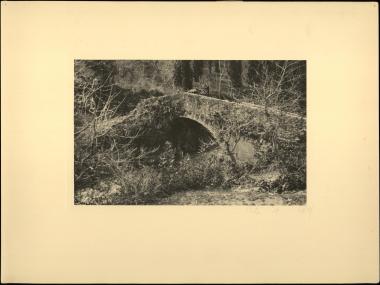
(236, 196)
(110, 193)
(240, 195)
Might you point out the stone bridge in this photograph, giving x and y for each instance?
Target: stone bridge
(223, 119)
(215, 113)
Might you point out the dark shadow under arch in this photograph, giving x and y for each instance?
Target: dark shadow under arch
(188, 135)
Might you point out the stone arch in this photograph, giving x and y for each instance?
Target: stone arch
(187, 134)
(199, 121)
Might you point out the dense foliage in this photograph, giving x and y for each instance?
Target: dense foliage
(123, 154)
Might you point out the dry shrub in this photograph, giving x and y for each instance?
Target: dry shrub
(101, 139)
(139, 186)
(203, 171)
(289, 158)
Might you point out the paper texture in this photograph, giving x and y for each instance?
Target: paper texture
(46, 238)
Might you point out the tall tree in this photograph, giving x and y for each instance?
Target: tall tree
(209, 62)
(197, 69)
(254, 71)
(234, 71)
(183, 74)
(187, 75)
(220, 68)
(217, 66)
(104, 70)
(178, 73)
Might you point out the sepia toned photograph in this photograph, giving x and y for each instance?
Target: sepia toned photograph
(190, 132)
(225, 142)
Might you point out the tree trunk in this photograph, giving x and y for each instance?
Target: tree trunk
(220, 78)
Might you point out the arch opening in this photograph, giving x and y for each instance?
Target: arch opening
(190, 137)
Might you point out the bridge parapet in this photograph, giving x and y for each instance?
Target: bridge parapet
(218, 116)
(208, 110)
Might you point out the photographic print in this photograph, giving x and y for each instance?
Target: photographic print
(190, 132)
(225, 142)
